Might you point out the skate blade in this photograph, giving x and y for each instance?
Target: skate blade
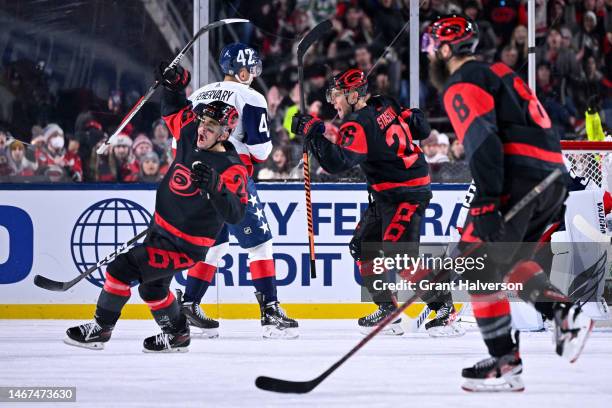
(507, 383)
(91, 346)
(272, 332)
(184, 349)
(204, 333)
(452, 330)
(573, 348)
(394, 329)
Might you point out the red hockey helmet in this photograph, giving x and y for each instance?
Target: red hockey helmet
(352, 79)
(224, 114)
(459, 32)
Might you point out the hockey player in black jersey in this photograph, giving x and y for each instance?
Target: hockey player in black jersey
(203, 189)
(378, 135)
(511, 147)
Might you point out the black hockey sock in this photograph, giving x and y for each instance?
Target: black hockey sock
(113, 297)
(492, 313)
(536, 287)
(267, 287)
(167, 314)
(436, 299)
(379, 296)
(199, 278)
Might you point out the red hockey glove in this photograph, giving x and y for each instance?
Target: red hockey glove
(307, 125)
(205, 177)
(175, 79)
(488, 221)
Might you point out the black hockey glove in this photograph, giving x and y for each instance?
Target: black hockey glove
(488, 220)
(205, 177)
(175, 79)
(306, 125)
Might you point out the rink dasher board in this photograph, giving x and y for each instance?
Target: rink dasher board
(70, 222)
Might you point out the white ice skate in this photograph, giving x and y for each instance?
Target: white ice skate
(572, 329)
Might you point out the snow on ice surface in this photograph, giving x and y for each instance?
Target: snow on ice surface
(411, 370)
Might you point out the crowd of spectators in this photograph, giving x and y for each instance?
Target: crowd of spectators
(574, 47)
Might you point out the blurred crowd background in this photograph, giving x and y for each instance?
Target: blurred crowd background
(70, 71)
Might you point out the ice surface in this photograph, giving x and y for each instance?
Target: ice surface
(408, 371)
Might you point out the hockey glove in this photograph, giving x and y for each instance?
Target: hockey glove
(307, 125)
(175, 79)
(488, 220)
(205, 177)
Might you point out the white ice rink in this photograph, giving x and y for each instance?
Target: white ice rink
(409, 371)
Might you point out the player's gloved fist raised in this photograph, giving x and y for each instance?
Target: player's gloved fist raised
(306, 125)
(205, 177)
(175, 79)
(488, 220)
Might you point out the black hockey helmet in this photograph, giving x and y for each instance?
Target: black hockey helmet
(224, 114)
(352, 79)
(458, 31)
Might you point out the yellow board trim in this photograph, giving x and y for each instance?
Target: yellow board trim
(221, 311)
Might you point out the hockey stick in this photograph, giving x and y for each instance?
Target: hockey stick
(302, 387)
(58, 286)
(104, 147)
(310, 38)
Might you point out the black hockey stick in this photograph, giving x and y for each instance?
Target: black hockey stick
(302, 387)
(57, 286)
(103, 147)
(310, 38)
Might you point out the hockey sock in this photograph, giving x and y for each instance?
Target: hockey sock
(536, 287)
(378, 296)
(263, 274)
(167, 314)
(492, 313)
(113, 297)
(199, 278)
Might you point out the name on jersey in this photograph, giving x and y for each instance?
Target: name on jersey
(385, 118)
(216, 95)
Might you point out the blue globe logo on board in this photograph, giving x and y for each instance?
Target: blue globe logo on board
(101, 229)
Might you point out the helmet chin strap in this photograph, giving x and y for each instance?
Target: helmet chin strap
(247, 82)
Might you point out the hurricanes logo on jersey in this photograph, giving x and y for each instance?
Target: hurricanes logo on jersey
(180, 182)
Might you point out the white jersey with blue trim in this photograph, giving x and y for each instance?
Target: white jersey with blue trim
(251, 136)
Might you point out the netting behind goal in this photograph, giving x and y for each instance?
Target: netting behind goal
(590, 160)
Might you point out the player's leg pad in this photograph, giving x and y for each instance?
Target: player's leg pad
(89, 335)
(572, 329)
(495, 374)
(368, 323)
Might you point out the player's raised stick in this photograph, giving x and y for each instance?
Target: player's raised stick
(302, 387)
(57, 286)
(104, 147)
(310, 38)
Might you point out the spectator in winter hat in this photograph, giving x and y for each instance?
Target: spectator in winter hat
(54, 161)
(141, 146)
(20, 165)
(443, 144)
(117, 166)
(162, 142)
(149, 168)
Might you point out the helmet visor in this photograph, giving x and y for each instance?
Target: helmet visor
(428, 43)
(256, 68)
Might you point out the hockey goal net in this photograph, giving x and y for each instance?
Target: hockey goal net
(591, 161)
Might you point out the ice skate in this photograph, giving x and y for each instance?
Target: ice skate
(176, 342)
(495, 374)
(369, 322)
(445, 323)
(89, 335)
(274, 321)
(196, 317)
(572, 329)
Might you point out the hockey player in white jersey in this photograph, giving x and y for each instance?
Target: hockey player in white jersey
(251, 138)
